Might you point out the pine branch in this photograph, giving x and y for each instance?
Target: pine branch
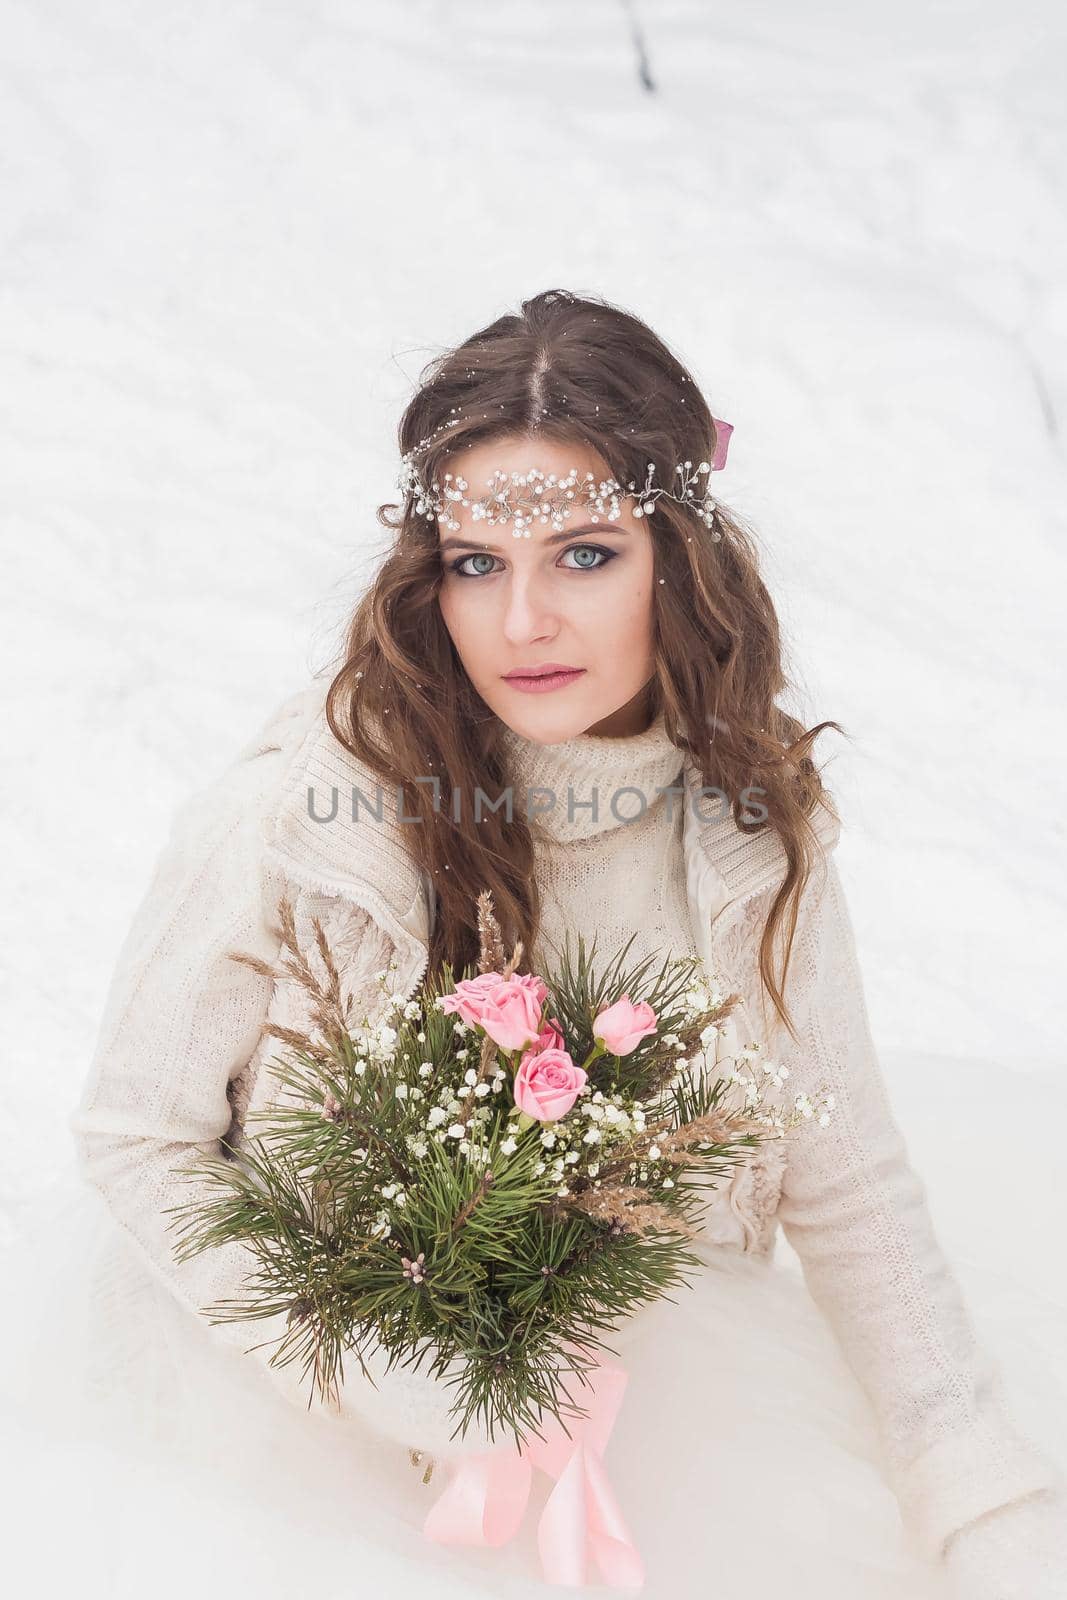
(355, 1180)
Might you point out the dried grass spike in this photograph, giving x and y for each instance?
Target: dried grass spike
(490, 938)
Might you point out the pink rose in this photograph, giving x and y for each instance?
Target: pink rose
(507, 1009)
(537, 986)
(621, 1026)
(547, 1084)
(469, 997)
(550, 1037)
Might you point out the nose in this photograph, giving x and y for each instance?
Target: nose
(528, 611)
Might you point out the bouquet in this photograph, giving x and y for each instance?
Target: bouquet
(489, 1174)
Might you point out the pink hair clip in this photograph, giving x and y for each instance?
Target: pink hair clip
(723, 430)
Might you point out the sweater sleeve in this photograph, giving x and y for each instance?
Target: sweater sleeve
(857, 1214)
(180, 1021)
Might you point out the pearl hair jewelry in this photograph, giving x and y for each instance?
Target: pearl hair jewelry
(529, 497)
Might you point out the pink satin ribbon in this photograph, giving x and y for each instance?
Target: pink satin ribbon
(485, 1501)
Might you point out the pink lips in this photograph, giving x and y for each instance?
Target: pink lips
(540, 680)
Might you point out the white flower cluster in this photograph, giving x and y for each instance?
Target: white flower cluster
(705, 994)
(470, 1140)
(702, 996)
(748, 1062)
(770, 1114)
(579, 1143)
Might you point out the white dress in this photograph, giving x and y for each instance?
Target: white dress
(743, 1457)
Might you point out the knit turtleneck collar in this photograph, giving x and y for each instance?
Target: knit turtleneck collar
(592, 767)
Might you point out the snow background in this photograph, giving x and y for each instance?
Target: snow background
(229, 239)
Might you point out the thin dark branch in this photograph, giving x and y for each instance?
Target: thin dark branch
(637, 34)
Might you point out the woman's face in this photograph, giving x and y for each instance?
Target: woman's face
(580, 599)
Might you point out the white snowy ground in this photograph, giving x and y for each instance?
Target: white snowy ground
(230, 236)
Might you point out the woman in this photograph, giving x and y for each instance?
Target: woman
(567, 613)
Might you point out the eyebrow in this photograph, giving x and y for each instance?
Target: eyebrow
(452, 543)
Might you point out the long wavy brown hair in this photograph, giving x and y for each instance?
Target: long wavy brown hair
(568, 368)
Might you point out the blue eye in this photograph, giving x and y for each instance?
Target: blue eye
(590, 549)
(460, 566)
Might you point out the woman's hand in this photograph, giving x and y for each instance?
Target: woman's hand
(1017, 1552)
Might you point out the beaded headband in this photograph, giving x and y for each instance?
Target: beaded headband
(529, 497)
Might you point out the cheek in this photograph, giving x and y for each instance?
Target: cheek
(628, 603)
(473, 628)
(456, 616)
(444, 606)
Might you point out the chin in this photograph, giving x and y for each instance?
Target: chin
(551, 726)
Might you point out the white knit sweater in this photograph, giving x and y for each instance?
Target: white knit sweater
(181, 1060)
(613, 822)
